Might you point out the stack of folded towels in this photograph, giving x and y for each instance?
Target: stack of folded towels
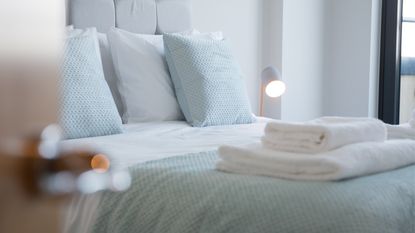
(328, 148)
(403, 131)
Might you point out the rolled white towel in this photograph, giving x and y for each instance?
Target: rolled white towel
(346, 162)
(404, 131)
(323, 134)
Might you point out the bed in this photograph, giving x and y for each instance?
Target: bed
(176, 188)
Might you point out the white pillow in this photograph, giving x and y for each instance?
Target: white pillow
(144, 81)
(208, 35)
(109, 71)
(69, 28)
(144, 84)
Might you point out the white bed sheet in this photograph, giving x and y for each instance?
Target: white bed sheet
(145, 142)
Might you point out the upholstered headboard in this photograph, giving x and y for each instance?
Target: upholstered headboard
(139, 16)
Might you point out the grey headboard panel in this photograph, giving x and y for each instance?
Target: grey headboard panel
(139, 16)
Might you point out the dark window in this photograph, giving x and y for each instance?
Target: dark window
(390, 60)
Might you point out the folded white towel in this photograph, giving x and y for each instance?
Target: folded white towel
(322, 134)
(404, 131)
(346, 162)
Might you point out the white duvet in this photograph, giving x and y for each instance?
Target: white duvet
(145, 142)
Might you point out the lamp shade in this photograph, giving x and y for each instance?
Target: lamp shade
(272, 82)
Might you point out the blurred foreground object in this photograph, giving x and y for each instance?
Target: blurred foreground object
(38, 179)
(31, 38)
(35, 176)
(30, 44)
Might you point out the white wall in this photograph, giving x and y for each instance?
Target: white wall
(376, 14)
(330, 58)
(240, 20)
(302, 59)
(271, 45)
(350, 66)
(327, 51)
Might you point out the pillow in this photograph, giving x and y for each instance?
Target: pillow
(87, 108)
(69, 28)
(144, 81)
(144, 85)
(109, 72)
(107, 65)
(207, 81)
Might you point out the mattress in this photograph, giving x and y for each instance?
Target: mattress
(146, 142)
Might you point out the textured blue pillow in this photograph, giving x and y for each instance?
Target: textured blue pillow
(207, 80)
(87, 107)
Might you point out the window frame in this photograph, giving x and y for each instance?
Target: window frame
(390, 61)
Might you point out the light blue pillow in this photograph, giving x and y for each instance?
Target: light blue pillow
(87, 107)
(207, 80)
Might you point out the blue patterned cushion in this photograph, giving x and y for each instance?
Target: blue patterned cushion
(87, 107)
(207, 80)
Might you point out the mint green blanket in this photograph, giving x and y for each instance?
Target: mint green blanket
(187, 195)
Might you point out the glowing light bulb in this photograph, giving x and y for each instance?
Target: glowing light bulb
(275, 88)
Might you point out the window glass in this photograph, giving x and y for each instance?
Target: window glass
(408, 39)
(409, 9)
(407, 95)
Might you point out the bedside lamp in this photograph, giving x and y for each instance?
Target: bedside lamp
(271, 85)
